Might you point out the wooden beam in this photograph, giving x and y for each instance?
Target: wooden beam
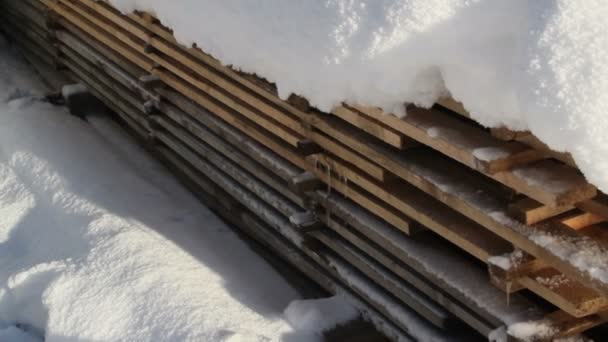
(529, 211)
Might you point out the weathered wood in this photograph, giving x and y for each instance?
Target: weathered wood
(245, 125)
(370, 125)
(305, 182)
(424, 209)
(378, 274)
(265, 156)
(429, 256)
(529, 211)
(498, 159)
(333, 146)
(352, 191)
(598, 205)
(263, 191)
(579, 220)
(262, 232)
(279, 124)
(234, 153)
(573, 297)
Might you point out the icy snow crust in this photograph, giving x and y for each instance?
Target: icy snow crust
(98, 243)
(527, 64)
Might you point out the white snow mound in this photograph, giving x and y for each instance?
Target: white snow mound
(99, 243)
(526, 64)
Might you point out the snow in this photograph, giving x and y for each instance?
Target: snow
(531, 331)
(15, 334)
(99, 243)
(525, 64)
(489, 154)
(508, 261)
(320, 315)
(583, 252)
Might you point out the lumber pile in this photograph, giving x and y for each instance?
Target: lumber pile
(424, 221)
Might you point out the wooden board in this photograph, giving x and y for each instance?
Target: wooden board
(417, 205)
(371, 126)
(391, 215)
(497, 159)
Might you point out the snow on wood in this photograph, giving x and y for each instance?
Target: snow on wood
(525, 65)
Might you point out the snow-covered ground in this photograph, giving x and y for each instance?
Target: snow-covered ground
(538, 65)
(99, 243)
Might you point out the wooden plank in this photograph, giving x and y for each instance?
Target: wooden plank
(106, 66)
(262, 232)
(125, 106)
(453, 185)
(230, 168)
(384, 278)
(429, 255)
(243, 124)
(279, 123)
(218, 67)
(572, 297)
(107, 39)
(413, 277)
(417, 205)
(267, 157)
(234, 153)
(529, 211)
(545, 181)
(347, 154)
(517, 270)
(578, 220)
(109, 83)
(391, 215)
(598, 206)
(370, 125)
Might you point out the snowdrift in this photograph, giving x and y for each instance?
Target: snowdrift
(523, 64)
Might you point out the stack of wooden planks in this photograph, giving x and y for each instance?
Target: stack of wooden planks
(423, 221)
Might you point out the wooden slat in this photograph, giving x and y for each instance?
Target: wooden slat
(598, 206)
(422, 208)
(391, 215)
(346, 153)
(529, 211)
(545, 181)
(370, 125)
(570, 296)
(243, 124)
(453, 185)
(175, 67)
(384, 278)
(579, 220)
(525, 271)
(174, 57)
